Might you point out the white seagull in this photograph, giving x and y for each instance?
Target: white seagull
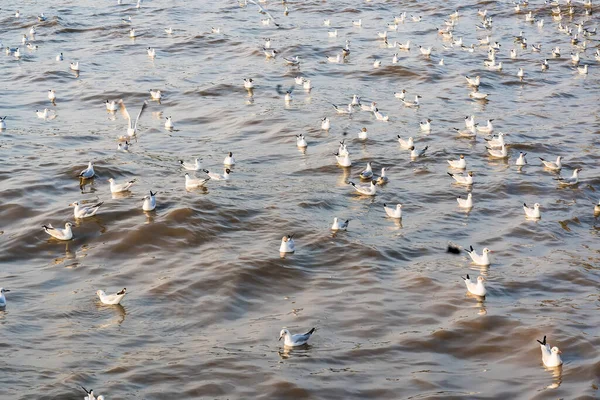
(572, 180)
(2, 297)
(339, 225)
(60, 234)
(555, 166)
(393, 212)
(502, 153)
(111, 299)
(478, 289)
(301, 141)
(483, 259)
(85, 211)
(191, 183)
(287, 244)
(461, 163)
(367, 173)
(550, 356)
(463, 179)
(120, 187)
(406, 144)
(229, 160)
(195, 166)
(521, 161)
(532, 213)
(149, 202)
(218, 177)
(465, 203)
(88, 172)
(367, 190)
(295, 340)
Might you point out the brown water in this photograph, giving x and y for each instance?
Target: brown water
(208, 290)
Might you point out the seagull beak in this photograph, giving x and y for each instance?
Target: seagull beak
(280, 338)
(559, 352)
(6, 290)
(71, 205)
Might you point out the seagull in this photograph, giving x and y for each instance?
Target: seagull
(521, 161)
(149, 202)
(355, 100)
(391, 212)
(111, 299)
(90, 395)
(410, 103)
(131, 126)
(597, 207)
(470, 133)
(416, 19)
(132, 33)
(357, 23)
(334, 60)
(229, 160)
(88, 172)
(475, 288)
(556, 52)
(169, 31)
(248, 83)
(325, 124)
(74, 66)
(461, 163)
(294, 62)
(521, 74)
(370, 107)
(463, 179)
(582, 70)
(169, 123)
(17, 14)
(495, 142)
(151, 52)
(299, 80)
(287, 244)
(545, 65)
(327, 22)
(367, 173)
(489, 128)
(295, 340)
(532, 213)
(32, 47)
(191, 183)
(573, 180)
(60, 234)
(339, 226)
(379, 116)
(483, 259)
(478, 95)
(218, 177)
(306, 85)
(195, 166)
(301, 141)
(473, 81)
(502, 153)
(465, 203)
(550, 356)
(52, 95)
(45, 114)
(362, 134)
(343, 149)
(270, 53)
(123, 147)
(406, 144)
(120, 187)
(382, 179)
(425, 125)
(333, 33)
(425, 51)
(377, 64)
(400, 95)
(343, 160)
(415, 154)
(2, 297)
(404, 46)
(155, 94)
(555, 166)
(2, 123)
(347, 110)
(85, 211)
(367, 190)
(111, 105)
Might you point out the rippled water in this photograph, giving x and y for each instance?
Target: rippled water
(208, 290)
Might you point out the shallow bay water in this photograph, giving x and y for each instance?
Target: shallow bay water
(207, 289)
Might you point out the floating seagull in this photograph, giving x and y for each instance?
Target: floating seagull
(463, 179)
(583, 70)
(498, 141)
(362, 134)
(521, 161)
(74, 66)
(295, 61)
(473, 81)
(88, 172)
(340, 110)
(306, 85)
(377, 64)
(478, 289)
(407, 144)
(229, 160)
(2, 297)
(333, 33)
(248, 83)
(132, 33)
(461, 163)
(521, 74)
(60, 234)
(357, 23)
(32, 47)
(489, 128)
(325, 124)
(404, 46)
(400, 95)
(196, 166)
(90, 393)
(370, 107)
(379, 116)
(111, 105)
(151, 52)
(45, 114)
(191, 183)
(478, 95)
(155, 94)
(169, 123)
(287, 244)
(288, 97)
(415, 154)
(123, 147)
(470, 133)
(393, 212)
(465, 203)
(334, 60)
(550, 356)
(2, 123)
(169, 31)
(597, 207)
(367, 173)
(532, 213)
(425, 51)
(299, 80)
(120, 187)
(425, 125)
(17, 14)
(573, 180)
(337, 225)
(410, 103)
(367, 190)
(111, 299)
(327, 22)
(295, 340)
(218, 177)
(85, 211)
(131, 126)
(483, 259)
(301, 141)
(343, 149)
(149, 202)
(555, 166)
(343, 160)
(382, 179)
(502, 153)
(52, 95)
(269, 53)
(355, 100)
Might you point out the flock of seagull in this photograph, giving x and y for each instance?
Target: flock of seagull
(496, 147)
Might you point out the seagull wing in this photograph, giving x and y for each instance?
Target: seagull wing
(140, 114)
(125, 113)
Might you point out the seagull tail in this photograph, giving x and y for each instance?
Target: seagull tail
(311, 331)
(543, 343)
(122, 291)
(452, 175)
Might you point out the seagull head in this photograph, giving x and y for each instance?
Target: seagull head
(480, 279)
(486, 250)
(283, 333)
(555, 350)
(68, 225)
(99, 293)
(74, 204)
(227, 170)
(2, 290)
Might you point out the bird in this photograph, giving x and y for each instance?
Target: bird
(583, 70)
(229, 160)
(52, 95)
(334, 60)
(58, 233)
(2, 297)
(425, 51)
(151, 52)
(483, 259)
(131, 125)
(478, 289)
(532, 213)
(413, 104)
(90, 393)
(521, 161)
(248, 83)
(555, 166)
(2, 123)
(74, 66)
(376, 63)
(169, 123)
(379, 116)
(111, 105)
(469, 133)
(465, 203)
(340, 110)
(295, 340)
(572, 180)
(123, 147)
(288, 97)
(521, 74)
(489, 128)
(496, 142)
(362, 134)
(400, 95)
(218, 177)
(333, 33)
(392, 212)
(149, 202)
(294, 61)
(461, 163)
(169, 31)
(597, 207)
(111, 299)
(473, 81)
(425, 125)
(502, 153)
(470, 122)
(88, 172)
(45, 114)
(406, 144)
(382, 179)
(325, 124)
(287, 244)
(357, 23)
(306, 85)
(478, 95)
(132, 33)
(270, 53)
(338, 225)
(301, 141)
(368, 107)
(191, 183)
(415, 154)
(343, 160)
(85, 211)
(463, 179)
(120, 187)
(367, 173)
(195, 166)
(404, 46)
(550, 356)
(367, 190)
(155, 94)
